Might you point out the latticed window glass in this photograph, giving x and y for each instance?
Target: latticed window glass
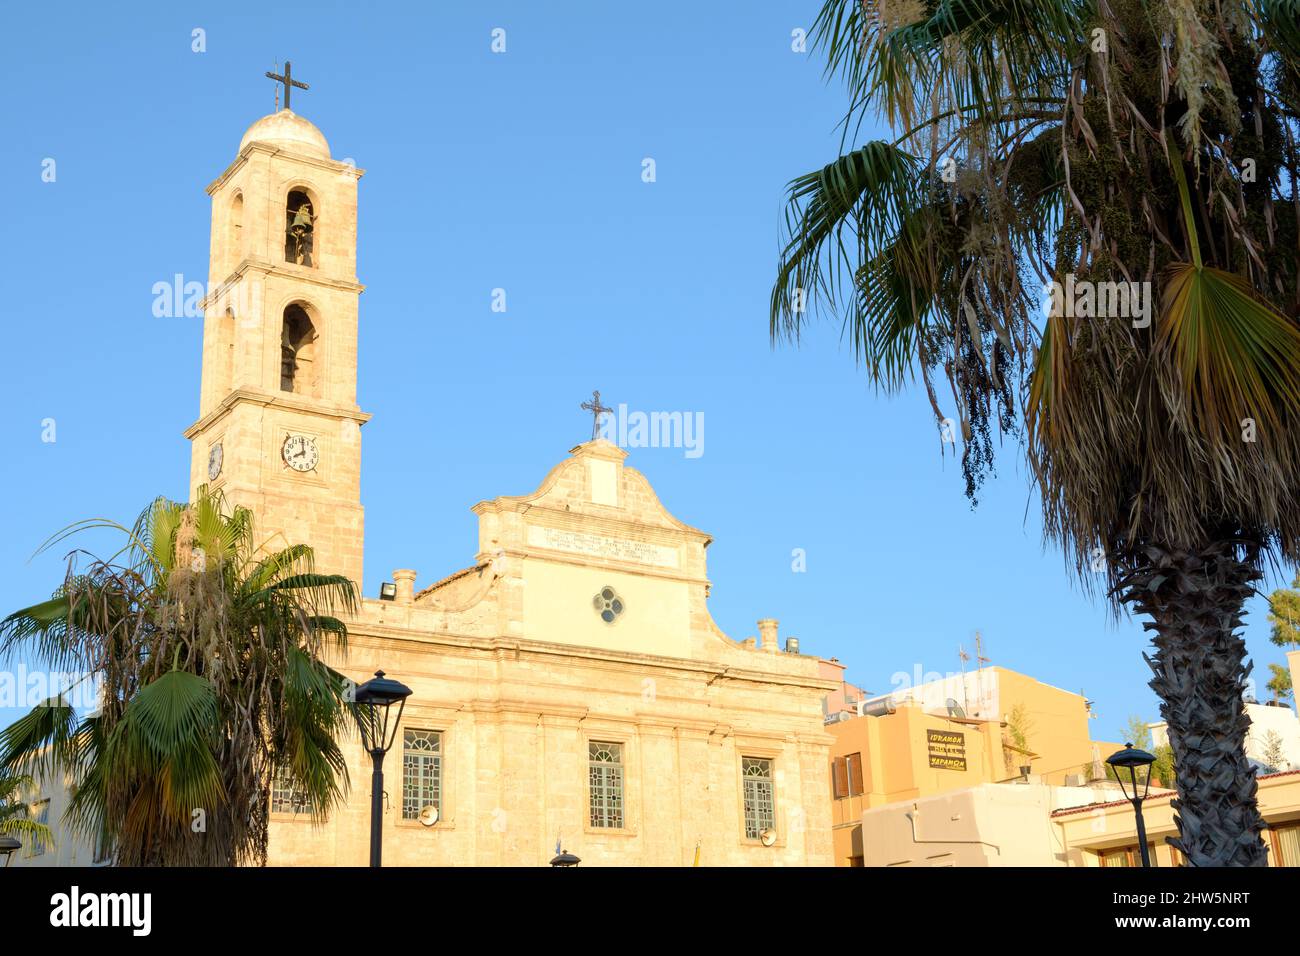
(284, 798)
(39, 813)
(421, 772)
(605, 771)
(759, 800)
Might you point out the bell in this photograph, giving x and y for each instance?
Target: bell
(302, 220)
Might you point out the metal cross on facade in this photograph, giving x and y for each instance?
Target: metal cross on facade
(596, 410)
(288, 81)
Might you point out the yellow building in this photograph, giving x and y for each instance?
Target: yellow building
(917, 804)
(569, 681)
(1105, 833)
(923, 740)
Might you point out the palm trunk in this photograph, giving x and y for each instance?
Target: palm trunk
(1195, 599)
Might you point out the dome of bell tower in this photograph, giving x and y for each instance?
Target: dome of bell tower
(287, 130)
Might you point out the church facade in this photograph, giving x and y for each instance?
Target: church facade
(569, 683)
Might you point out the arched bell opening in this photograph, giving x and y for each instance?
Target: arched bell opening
(299, 229)
(299, 372)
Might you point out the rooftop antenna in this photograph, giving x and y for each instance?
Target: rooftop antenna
(980, 661)
(964, 657)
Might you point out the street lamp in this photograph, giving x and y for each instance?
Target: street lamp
(1130, 759)
(8, 845)
(374, 699)
(562, 856)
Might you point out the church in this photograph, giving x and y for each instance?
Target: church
(569, 684)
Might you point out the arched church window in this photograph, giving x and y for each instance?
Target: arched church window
(298, 352)
(299, 227)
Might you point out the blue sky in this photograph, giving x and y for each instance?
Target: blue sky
(519, 171)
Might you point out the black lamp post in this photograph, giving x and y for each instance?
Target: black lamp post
(564, 858)
(1130, 759)
(374, 699)
(8, 845)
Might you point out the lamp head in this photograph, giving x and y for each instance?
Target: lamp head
(564, 858)
(8, 845)
(374, 700)
(1128, 762)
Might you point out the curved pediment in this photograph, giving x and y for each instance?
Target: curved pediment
(594, 483)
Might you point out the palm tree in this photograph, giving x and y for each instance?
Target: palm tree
(1139, 158)
(208, 649)
(15, 819)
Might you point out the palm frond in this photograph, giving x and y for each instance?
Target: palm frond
(43, 742)
(166, 735)
(846, 211)
(1236, 356)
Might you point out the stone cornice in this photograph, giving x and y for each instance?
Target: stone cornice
(559, 518)
(770, 741)
(558, 714)
(516, 648)
(256, 264)
(577, 717)
(285, 400)
(587, 521)
(658, 725)
(585, 561)
(329, 165)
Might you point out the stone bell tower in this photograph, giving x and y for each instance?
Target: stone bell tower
(279, 429)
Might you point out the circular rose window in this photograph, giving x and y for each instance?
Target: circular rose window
(608, 605)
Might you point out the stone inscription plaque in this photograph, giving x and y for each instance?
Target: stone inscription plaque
(603, 546)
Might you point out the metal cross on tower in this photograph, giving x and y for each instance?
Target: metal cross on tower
(288, 81)
(596, 410)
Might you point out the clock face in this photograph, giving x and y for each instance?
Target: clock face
(214, 461)
(300, 452)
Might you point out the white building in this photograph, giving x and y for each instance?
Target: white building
(1270, 724)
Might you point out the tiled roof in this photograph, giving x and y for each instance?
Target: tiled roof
(1162, 795)
(449, 578)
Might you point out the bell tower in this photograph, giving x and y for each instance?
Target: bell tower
(279, 429)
